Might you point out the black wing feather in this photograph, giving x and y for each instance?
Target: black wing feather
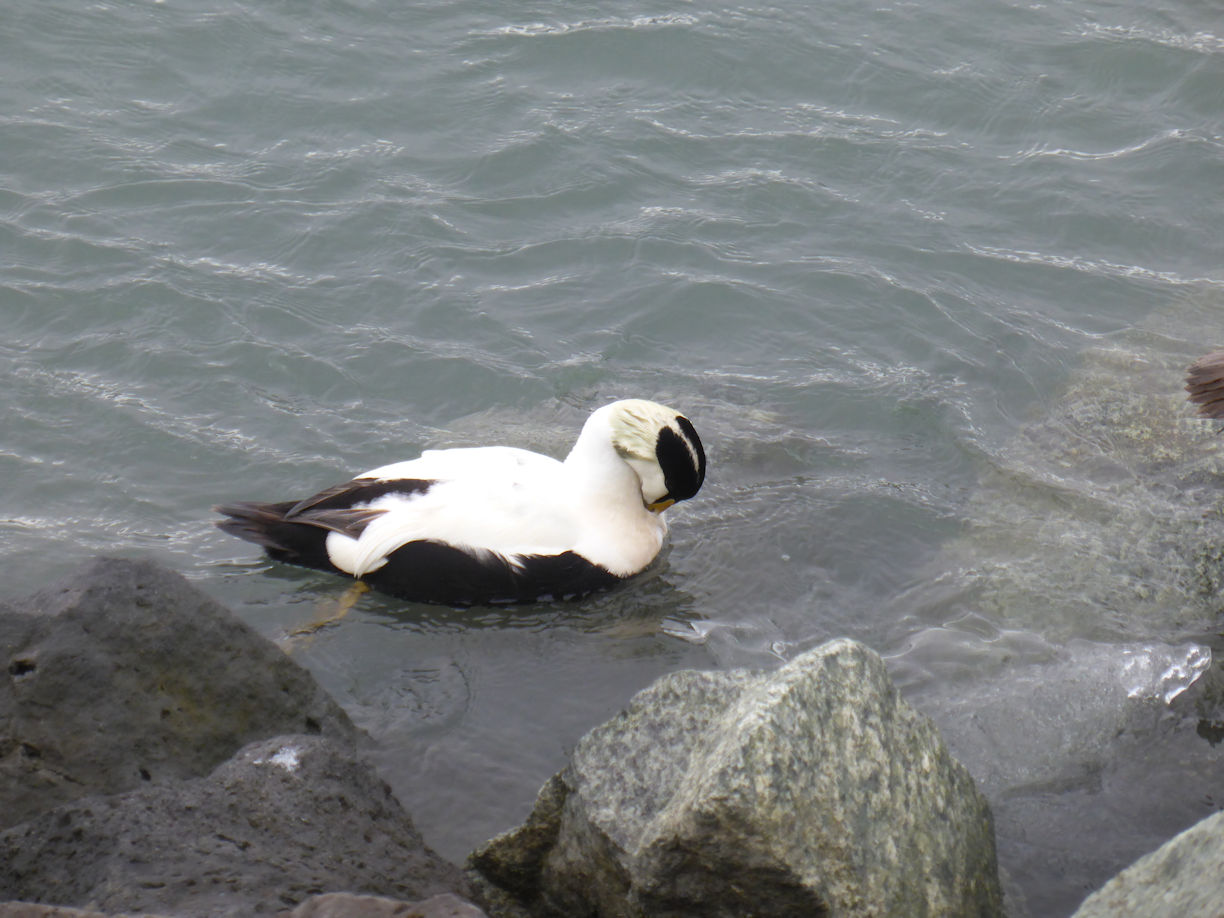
(296, 531)
(358, 491)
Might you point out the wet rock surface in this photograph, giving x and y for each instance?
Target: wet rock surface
(1184, 877)
(124, 674)
(1091, 548)
(36, 910)
(348, 905)
(283, 819)
(811, 790)
(326, 905)
(159, 756)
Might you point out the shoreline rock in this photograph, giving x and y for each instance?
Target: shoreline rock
(811, 790)
(283, 819)
(158, 755)
(1183, 878)
(123, 674)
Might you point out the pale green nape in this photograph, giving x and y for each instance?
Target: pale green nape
(636, 423)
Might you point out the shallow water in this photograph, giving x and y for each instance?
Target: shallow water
(925, 277)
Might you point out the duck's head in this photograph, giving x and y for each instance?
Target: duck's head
(661, 446)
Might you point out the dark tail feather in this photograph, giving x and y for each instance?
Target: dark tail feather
(283, 540)
(258, 523)
(1205, 383)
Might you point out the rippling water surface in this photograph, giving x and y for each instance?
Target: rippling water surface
(925, 277)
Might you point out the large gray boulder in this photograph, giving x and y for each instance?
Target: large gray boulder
(284, 819)
(1183, 878)
(124, 675)
(811, 790)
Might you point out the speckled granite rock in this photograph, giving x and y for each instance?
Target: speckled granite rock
(284, 819)
(124, 675)
(1183, 878)
(811, 790)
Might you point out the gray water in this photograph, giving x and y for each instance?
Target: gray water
(924, 276)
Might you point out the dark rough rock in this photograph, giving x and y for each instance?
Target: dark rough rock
(347, 905)
(327, 905)
(284, 819)
(124, 675)
(812, 790)
(144, 765)
(34, 910)
(1183, 878)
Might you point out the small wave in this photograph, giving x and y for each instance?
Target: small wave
(373, 147)
(260, 270)
(1092, 266)
(1199, 42)
(806, 121)
(1066, 153)
(535, 29)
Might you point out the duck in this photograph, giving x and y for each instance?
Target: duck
(496, 524)
(1205, 383)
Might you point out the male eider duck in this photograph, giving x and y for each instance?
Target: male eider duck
(496, 524)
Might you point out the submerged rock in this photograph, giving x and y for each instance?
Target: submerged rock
(124, 674)
(1183, 878)
(811, 790)
(283, 819)
(1095, 537)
